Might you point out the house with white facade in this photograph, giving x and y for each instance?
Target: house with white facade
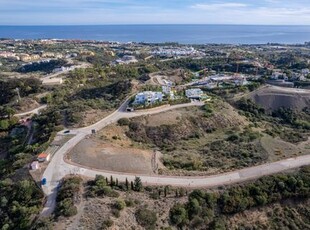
(167, 90)
(194, 93)
(127, 59)
(148, 97)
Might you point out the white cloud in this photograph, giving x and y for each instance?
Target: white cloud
(219, 6)
(282, 12)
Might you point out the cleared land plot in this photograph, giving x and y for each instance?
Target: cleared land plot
(278, 149)
(98, 154)
(273, 97)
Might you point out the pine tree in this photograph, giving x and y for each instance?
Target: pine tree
(138, 184)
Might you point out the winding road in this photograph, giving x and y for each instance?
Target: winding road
(59, 168)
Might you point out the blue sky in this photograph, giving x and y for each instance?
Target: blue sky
(99, 12)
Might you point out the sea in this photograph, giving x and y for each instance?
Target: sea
(183, 34)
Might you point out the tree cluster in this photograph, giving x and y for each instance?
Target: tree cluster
(206, 209)
(69, 191)
(46, 67)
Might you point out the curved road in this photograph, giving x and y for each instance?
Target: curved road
(59, 168)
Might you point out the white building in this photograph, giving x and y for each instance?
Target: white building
(278, 75)
(194, 93)
(35, 165)
(62, 69)
(127, 59)
(148, 97)
(167, 91)
(43, 157)
(52, 81)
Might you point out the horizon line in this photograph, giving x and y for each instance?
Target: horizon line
(161, 24)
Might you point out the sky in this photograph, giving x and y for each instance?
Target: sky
(101, 12)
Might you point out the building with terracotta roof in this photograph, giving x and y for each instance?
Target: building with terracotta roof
(43, 157)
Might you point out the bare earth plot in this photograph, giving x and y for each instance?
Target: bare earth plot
(273, 97)
(98, 154)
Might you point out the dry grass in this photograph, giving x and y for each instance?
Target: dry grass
(278, 149)
(95, 211)
(91, 116)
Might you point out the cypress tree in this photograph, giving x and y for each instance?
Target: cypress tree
(127, 184)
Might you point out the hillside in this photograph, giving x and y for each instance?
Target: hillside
(189, 141)
(274, 202)
(272, 98)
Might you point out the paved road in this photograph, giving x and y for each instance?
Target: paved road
(58, 167)
(34, 111)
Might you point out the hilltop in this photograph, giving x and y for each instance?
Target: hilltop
(272, 98)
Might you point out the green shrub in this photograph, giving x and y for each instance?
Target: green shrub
(123, 121)
(108, 191)
(178, 215)
(43, 224)
(146, 218)
(99, 187)
(69, 189)
(107, 224)
(116, 213)
(66, 208)
(155, 195)
(129, 203)
(233, 137)
(120, 204)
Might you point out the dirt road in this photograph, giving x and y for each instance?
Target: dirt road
(34, 111)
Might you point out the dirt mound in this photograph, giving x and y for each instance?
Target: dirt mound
(272, 98)
(187, 124)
